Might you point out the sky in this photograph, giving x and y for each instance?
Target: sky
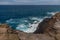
(29, 2)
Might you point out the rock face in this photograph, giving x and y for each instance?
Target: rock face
(48, 29)
(50, 26)
(6, 33)
(25, 36)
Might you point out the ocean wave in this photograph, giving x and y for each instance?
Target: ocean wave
(28, 25)
(25, 24)
(32, 28)
(52, 13)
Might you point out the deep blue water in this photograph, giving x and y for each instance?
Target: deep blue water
(17, 14)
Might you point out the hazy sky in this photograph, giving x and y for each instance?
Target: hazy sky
(29, 2)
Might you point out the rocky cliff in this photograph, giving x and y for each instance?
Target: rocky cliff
(48, 29)
(50, 26)
(6, 33)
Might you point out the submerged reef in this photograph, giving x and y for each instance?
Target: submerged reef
(48, 29)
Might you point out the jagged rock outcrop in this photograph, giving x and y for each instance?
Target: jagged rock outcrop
(50, 26)
(6, 33)
(48, 29)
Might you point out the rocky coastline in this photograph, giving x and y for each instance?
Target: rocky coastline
(48, 29)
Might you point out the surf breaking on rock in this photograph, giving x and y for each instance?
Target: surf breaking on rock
(27, 24)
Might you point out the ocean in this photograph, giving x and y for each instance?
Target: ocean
(26, 17)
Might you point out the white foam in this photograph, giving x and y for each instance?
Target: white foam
(32, 28)
(52, 13)
(34, 18)
(9, 20)
(21, 25)
(25, 20)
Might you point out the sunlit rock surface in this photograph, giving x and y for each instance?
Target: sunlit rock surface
(6, 33)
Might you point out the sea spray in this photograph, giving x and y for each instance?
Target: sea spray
(28, 25)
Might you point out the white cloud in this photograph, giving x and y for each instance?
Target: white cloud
(30, 2)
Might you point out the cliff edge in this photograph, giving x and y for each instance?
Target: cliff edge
(48, 29)
(6, 33)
